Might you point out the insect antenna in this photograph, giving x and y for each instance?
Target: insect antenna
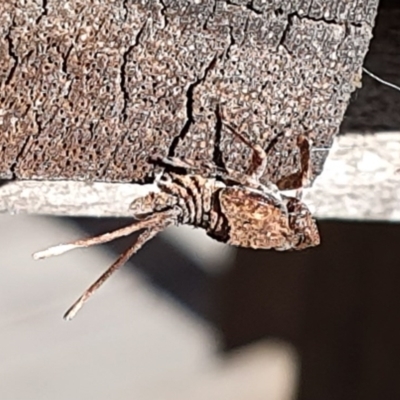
(122, 259)
(91, 241)
(152, 225)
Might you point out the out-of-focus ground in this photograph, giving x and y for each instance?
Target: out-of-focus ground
(129, 342)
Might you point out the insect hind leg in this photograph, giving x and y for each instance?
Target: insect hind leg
(301, 178)
(259, 156)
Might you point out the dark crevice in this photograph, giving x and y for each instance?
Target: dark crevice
(262, 87)
(284, 35)
(309, 7)
(11, 53)
(164, 7)
(27, 56)
(250, 7)
(214, 7)
(328, 22)
(273, 142)
(246, 22)
(292, 15)
(66, 96)
(64, 64)
(218, 157)
(44, 11)
(246, 25)
(210, 15)
(124, 90)
(347, 31)
(28, 107)
(91, 130)
(44, 8)
(125, 56)
(354, 24)
(189, 108)
(125, 7)
(231, 43)
(139, 35)
(163, 13)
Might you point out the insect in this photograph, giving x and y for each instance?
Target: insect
(231, 207)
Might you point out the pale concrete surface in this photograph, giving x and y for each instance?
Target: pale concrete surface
(361, 180)
(129, 341)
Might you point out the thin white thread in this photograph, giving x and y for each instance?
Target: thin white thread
(393, 86)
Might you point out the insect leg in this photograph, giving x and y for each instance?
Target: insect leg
(122, 259)
(175, 162)
(305, 160)
(259, 157)
(226, 173)
(191, 166)
(302, 177)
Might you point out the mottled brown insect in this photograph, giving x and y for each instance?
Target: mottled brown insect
(231, 207)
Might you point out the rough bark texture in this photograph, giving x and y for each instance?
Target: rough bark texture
(89, 90)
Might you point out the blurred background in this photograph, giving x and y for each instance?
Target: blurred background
(189, 318)
(155, 331)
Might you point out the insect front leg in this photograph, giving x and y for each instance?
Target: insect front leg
(191, 166)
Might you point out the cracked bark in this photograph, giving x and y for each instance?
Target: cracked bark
(91, 95)
(12, 54)
(125, 55)
(189, 108)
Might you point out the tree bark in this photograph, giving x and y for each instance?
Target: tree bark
(89, 91)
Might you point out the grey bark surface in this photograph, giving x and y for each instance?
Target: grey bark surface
(89, 91)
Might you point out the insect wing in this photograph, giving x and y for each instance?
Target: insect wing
(255, 219)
